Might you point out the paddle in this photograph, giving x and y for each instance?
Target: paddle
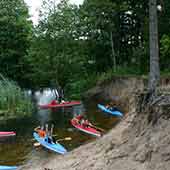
(100, 129)
(66, 138)
(33, 139)
(37, 144)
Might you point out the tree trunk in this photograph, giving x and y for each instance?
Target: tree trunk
(154, 75)
(113, 51)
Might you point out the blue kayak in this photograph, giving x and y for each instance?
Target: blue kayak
(56, 147)
(8, 167)
(114, 112)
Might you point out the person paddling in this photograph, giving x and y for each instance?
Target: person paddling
(49, 135)
(110, 107)
(84, 122)
(87, 123)
(40, 130)
(61, 95)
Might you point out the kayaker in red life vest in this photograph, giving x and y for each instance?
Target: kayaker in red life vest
(40, 130)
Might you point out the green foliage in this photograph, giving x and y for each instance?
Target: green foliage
(15, 31)
(165, 53)
(76, 87)
(56, 55)
(72, 42)
(139, 61)
(12, 99)
(96, 25)
(163, 19)
(75, 46)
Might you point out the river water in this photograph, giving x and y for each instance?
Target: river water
(19, 150)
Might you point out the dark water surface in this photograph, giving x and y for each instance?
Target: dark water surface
(19, 150)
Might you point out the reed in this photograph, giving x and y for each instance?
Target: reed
(12, 98)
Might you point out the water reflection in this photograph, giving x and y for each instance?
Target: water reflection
(43, 116)
(45, 96)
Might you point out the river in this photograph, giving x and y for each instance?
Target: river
(19, 150)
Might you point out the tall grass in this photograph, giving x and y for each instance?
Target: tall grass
(12, 98)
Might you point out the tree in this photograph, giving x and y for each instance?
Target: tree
(99, 30)
(154, 75)
(55, 54)
(15, 31)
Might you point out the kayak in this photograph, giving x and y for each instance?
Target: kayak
(6, 134)
(114, 112)
(56, 147)
(54, 104)
(8, 167)
(87, 129)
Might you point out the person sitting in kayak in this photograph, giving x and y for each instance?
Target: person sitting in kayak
(41, 132)
(53, 102)
(78, 118)
(110, 107)
(81, 121)
(60, 96)
(49, 135)
(48, 139)
(58, 93)
(85, 123)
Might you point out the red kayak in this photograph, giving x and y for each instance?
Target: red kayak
(6, 134)
(55, 104)
(85, 128)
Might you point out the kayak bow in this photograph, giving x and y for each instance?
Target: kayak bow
(8, 167)
(6, 134)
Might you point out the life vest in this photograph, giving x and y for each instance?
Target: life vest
(41, 133)
(53, 102)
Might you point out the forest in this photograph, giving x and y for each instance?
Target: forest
(106, 64)
(74, 46)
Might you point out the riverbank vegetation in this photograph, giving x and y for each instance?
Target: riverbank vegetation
(13, 101)
(75, 46)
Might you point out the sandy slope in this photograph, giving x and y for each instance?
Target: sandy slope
(134, 144)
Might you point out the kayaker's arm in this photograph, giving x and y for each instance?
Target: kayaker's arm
(52, 127)
(37, 128)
